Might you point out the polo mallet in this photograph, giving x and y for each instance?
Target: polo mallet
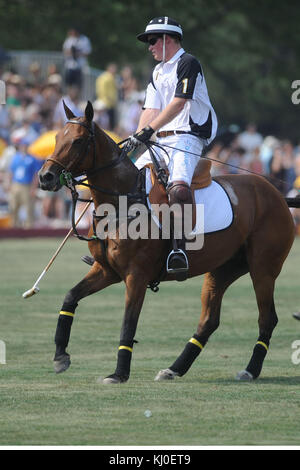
(35, 289)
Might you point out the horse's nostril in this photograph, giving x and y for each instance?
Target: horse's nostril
(47, 177)
(47, 180)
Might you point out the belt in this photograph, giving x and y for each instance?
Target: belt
(168, 133)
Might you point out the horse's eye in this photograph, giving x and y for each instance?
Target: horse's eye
(78, 141)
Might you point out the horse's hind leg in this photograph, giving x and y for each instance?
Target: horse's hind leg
(265, 259)
(97, 279)
(264, 289)
(214, 287)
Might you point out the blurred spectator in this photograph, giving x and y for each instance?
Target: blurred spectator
(50, 96)
(35, 77)
(289, 164)
(130, 104)
(250, 140)
(266, 151)
(3, 194)
(4, 57)
(296, 185)
(25, 133)
(214, 153)
(81, 43)
(236, 159)
(13, 93)
(6, 157)
(129, 111)
(107, 92)
(72, 100)
(4, 122)
(23, 169)
(52, 70)
(280, 170)
(73, 71)
(255, 163)
(54, 207)
(295, 192)
(76, 49)
(128, 84)
(101, 115)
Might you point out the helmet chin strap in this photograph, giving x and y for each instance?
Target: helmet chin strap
(164, 48)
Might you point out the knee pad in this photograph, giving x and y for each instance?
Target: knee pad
(179, 192)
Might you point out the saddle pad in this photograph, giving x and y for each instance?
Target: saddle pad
(213, 201)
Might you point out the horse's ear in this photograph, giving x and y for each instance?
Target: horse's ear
(89, 111)
(68, 112)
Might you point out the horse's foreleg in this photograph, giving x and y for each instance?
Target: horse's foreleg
(214, 287)
(97, 279)
(135, 293)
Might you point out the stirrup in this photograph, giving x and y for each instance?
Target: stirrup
(179, 257)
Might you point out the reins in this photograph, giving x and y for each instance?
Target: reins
(236, 167)
(67, 179)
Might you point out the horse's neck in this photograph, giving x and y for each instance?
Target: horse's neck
(120, 178)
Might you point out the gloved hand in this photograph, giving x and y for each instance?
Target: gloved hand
(141, 137)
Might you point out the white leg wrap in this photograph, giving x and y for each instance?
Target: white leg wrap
(244, 375)
(166, 374)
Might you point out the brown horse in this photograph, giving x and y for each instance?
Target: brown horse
(258, 241)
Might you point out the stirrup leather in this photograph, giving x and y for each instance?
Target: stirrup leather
(182, 256)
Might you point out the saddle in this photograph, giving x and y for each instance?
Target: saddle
(201, 179)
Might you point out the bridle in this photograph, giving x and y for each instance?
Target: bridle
(68, 179)
(90, 140)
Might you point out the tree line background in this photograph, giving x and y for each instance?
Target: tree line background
(249, 49)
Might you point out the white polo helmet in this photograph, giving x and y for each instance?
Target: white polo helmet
(161, 25)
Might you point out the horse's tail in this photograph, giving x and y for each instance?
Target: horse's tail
(293, 201)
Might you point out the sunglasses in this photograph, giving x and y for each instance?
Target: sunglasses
(153, 41)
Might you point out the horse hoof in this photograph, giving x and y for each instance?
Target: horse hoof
(166, 374)
(244, 375)
(62, 363)
(114, 379)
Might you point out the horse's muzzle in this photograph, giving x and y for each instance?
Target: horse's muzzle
(48, 180)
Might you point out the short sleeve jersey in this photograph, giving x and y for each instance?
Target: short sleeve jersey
(182, 77)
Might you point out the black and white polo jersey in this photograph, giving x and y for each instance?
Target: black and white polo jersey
(182, 77)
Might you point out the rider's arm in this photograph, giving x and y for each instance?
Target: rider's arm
(167, 114)
(147, 116)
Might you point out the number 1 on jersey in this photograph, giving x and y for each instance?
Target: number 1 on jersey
(185, 84)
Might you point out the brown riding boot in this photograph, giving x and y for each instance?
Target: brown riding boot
(180, 194)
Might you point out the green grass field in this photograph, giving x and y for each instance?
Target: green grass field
(206, 407)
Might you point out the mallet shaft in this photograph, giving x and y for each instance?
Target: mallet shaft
(35, 288)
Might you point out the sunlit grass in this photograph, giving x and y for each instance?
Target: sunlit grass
(205, 407)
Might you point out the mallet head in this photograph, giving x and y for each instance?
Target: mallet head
(31, 292)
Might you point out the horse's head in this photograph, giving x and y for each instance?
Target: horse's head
(74, 149)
